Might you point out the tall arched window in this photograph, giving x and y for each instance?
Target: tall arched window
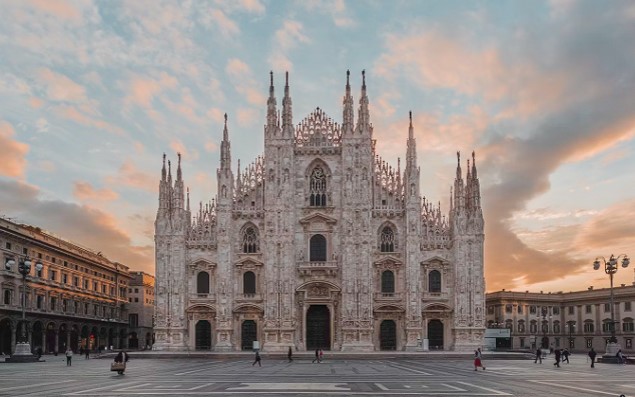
(202, 283)
(317, 248)
(317, 188)
(250, 240)
(387, 240)
(249, 283)
(387, 282)
(434, 281)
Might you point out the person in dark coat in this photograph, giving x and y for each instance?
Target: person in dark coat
(557, 355)
(87, 353)
(592, 355)
(565, 355)
(317, 356)
(538, 356)
(257, 360)
(290, 354)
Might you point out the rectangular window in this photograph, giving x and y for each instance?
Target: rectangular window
(627, 306)
(629, 343)
(607, 307)
(136, 299)
(628, 327)
(53, 302)
(520, 309)
(556, 310)
(39, 302)
(571, 310)
(522, 342)
(64, 305)
(133, 320)
(76, 281)
(571, 343)
(8, 295)
(39, 255)
(508, 308)
(95, 308)
(76, 311)
(557, 342)
(136, 290)
(85, 284)
(588, 309)
(25, 251)
(103, 289)
(65, 264)
(8, 245)
(85, 308)
(95, 286)
(532, 309)
(112, 291)
(589, 342)
(52, 275)
(490, 309)
(65, 278)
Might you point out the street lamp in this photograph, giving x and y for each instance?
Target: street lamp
(23, 348)
(571, 325)
(610, 268)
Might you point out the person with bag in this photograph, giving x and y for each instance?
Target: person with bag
(69, 357)
(478, 359)
(592, 355)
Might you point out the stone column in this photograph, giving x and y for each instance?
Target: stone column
(68, 339)
(14, 331)
(57, 340)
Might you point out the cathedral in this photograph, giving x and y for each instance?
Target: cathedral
(319, 243)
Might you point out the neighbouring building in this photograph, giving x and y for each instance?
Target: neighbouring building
(140, 310)
(576, 320)
(319, 243)
(79, 297)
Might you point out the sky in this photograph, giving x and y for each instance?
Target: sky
(92, 93)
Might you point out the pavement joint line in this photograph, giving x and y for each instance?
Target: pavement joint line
(498, 392)
(80, 392)
(379, 385)
(574, 387)
(36, 385)
(453, 387)
(409, 369)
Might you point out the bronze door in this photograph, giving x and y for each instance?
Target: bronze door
(318, 328)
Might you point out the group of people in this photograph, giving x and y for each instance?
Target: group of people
(319, 354)
(561, 355)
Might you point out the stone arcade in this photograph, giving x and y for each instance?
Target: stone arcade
(319, 243)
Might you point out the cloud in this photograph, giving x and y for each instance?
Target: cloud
(178, 147)
(60, 87)
(611, 228)
(285, 39)
(14, 162)
(130, 175)
(84, 191)
(335, 8)
(224, 24)
(211, 146)
(143, 89)
(247, 116)
(35, 102)
(81, 224)
(243, 80)
(58, 8)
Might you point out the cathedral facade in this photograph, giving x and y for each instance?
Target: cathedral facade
(319, 243)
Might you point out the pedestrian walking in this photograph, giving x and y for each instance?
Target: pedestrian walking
(257, 360)
(565, 355)
(592, 355)
(290, 354)
(317, 356)
(87, 353)
(321, 356)
(620, 357)
(69, 357)
(557, 356)
(538, 356)
(478, 359)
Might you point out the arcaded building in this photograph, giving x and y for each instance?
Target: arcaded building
(319, 243)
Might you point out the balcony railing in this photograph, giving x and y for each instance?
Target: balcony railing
(388, 296)
(309, 267)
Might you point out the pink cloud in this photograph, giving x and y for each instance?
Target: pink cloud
(286, 38)
(58, 8)
(84, 191)
(35, 102)
(14, 152)
(224, 24)
(247, 116)
(130, 175)
(72, 113)
(241, 76)
(211, 146)
(60, 87)
(144, 89)
(178, 147)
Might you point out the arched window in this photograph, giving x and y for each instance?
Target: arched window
(387, 240)
(317, 188)
(7, 296)
(434, 281)
(317, 248)
(250, 240)
(202, 283)
(249, 283)
(387, 282)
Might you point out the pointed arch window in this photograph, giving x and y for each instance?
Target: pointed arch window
(434, 281)
(387, 282)
(317, 248)
(250, 240)
(317, 188)
(249, 283)
(202, 283)
(387, 240)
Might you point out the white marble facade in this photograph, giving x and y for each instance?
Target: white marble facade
(319, 243)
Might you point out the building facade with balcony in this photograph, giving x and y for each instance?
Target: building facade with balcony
(575, 320)
(319, 243)
(78, 299)
(140, 310)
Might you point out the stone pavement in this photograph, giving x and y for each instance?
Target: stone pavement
(402, 376)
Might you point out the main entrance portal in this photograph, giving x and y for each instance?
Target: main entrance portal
(318, 328)
(388, 335)
(248, 334)
(203, 335)
(435, 334)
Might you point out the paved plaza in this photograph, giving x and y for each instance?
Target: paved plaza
(397, 376)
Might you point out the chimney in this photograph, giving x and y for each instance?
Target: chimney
(591, 288)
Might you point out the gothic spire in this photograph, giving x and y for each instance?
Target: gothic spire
(163, 174)
(411, 155)
(474, 165)
(363, 117)
(459, 193)
(179, 173)
(347, 125)
(287, 117)
(225, 155)
(271, 105)
(169, 173)
(188, 199)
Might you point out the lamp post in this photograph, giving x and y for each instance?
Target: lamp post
(23, 348)
(571, 325)
(610, 268)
